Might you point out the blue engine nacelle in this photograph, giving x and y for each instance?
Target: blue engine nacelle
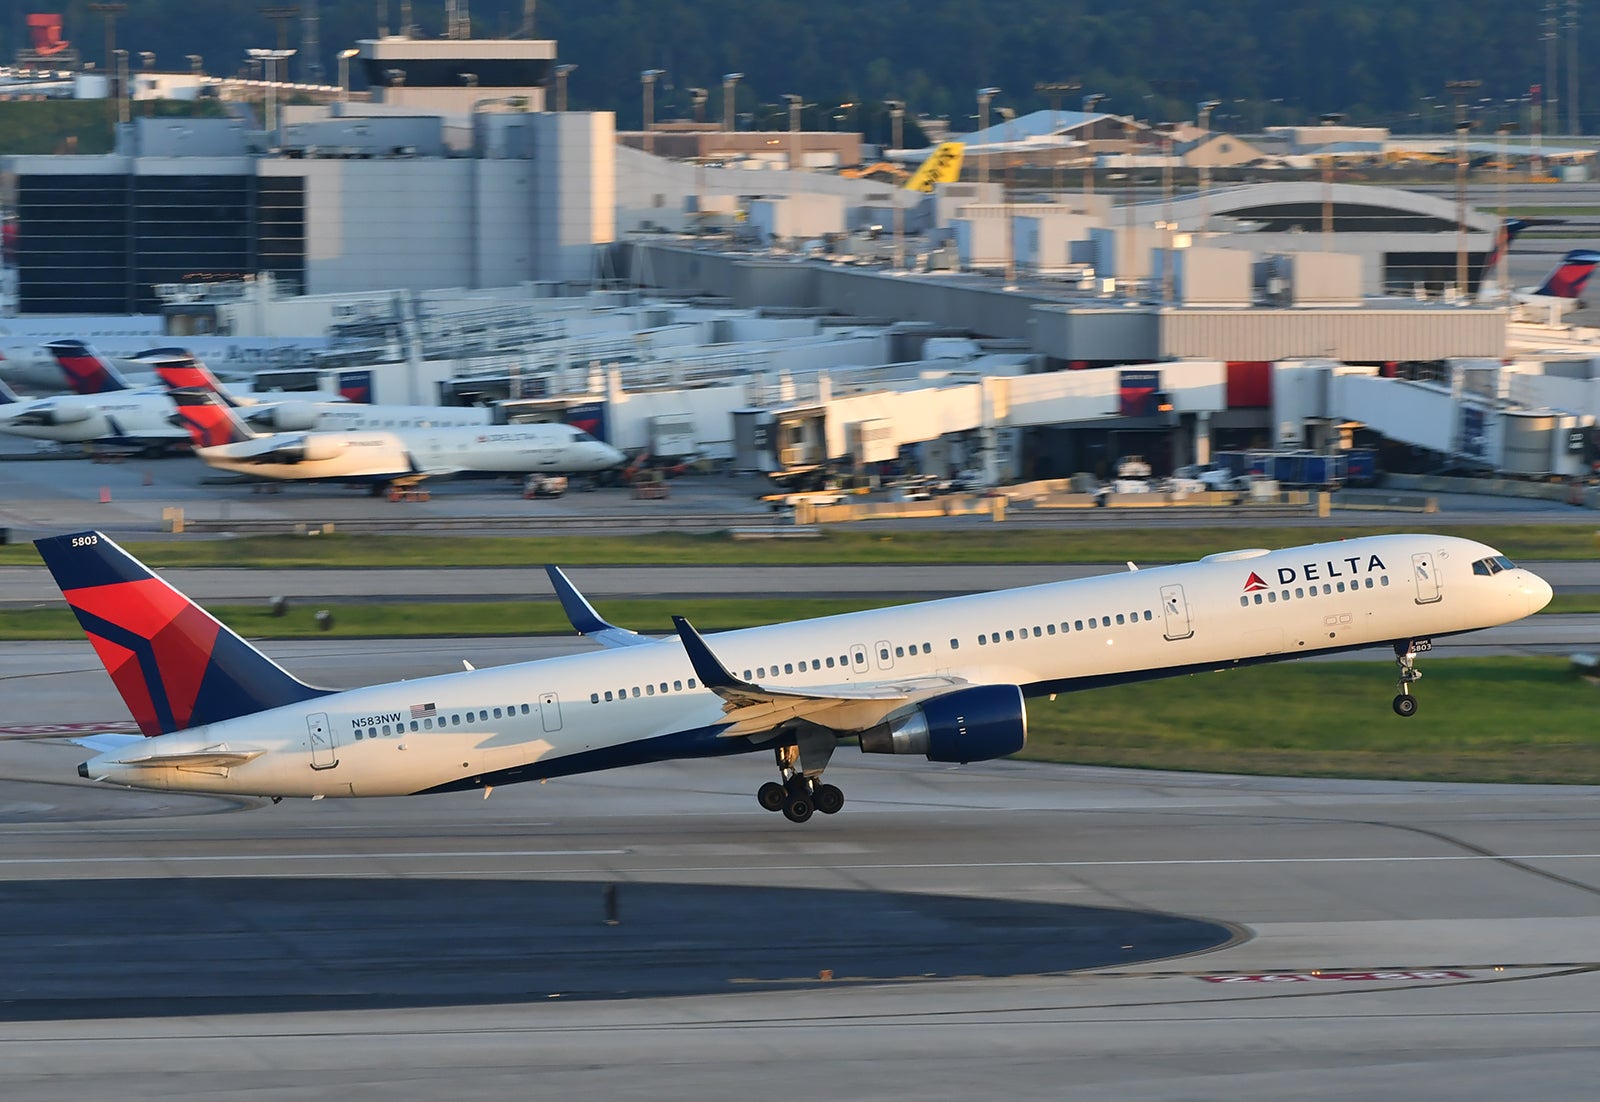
(976, 724)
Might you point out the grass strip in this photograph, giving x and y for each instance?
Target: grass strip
(1523, 720)
(988, 544)
(466, 619)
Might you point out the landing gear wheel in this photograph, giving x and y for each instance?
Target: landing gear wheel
(772, 795)
(828, 799)
(1405, 705)
(797, 809)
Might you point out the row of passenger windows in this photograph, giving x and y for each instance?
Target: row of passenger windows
(454, 719)
(1300, 592)
(1091, 624)
(637, 691)
(830, 663)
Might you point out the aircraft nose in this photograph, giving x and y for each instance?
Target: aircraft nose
(1538, 592)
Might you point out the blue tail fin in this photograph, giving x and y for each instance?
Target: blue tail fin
(174, 664)
(7, 395)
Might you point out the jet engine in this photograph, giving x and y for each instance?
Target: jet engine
(313, 448)
(56, 415)
(976, 724)
(284, 417)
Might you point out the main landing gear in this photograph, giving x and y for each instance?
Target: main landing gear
(801, 791)
(1405, 657)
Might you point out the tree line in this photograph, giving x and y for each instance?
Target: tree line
(1266, 62)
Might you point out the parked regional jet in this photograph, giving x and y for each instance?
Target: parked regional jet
(943, 679)
(129, 418)
(1560, 291)
(393, 458)
(26, 360)
(278, 412)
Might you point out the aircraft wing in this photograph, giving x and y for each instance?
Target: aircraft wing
(753, 709)
(586, 621)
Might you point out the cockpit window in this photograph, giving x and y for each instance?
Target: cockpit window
(1492, 565)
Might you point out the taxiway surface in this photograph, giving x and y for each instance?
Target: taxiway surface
(1007, 930)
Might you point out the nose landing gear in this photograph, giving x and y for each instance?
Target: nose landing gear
(1405, 657)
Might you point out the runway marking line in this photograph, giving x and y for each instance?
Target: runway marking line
(519, 853)
(1336, 977)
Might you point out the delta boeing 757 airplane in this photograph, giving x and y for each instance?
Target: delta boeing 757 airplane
(946, 679)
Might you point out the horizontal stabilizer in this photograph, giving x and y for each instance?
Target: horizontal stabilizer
(585, 620)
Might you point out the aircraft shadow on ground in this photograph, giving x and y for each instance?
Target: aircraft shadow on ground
(160, 947)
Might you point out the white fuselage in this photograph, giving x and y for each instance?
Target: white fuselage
(432, 452)
(641, 703)
(142, 416)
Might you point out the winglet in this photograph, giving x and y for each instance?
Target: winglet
(712, 673)
(585, 620)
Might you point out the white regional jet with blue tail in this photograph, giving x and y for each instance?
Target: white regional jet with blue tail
(946, 679)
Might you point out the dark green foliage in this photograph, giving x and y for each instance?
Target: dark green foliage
(1268, 62)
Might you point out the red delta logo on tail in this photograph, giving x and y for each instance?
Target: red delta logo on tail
(173, 663)
(175, 636)
(210, 423)
(86, 370)
(1254, 583)
(1571, 275)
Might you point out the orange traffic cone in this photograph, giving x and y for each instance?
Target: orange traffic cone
(105, 495)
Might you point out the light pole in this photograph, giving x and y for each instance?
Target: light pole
(795, 103)
(897, 121)
(1089, 103)
(344, 73)
(1203, 116)
(148, 59)
(563, 71)
(110, 12)
(122, 84)
(1502, 239)
(647, 78)
(730, 81)
(1333, 118)
(195, 63)
(897, 115)
(1459, 89)
(269, 63)
(984, 96)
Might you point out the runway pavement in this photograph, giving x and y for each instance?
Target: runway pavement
(1007, 930)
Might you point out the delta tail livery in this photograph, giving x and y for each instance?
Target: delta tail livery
(945, 680)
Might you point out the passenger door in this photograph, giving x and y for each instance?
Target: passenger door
(1175, 612)
(320, 735)
(1425, 571)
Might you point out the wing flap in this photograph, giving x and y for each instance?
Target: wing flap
(753, 709)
